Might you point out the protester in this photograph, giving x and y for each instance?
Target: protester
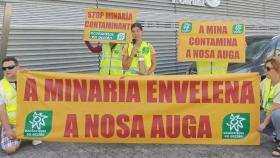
(138, 56)
(8, 85)
(270, 108)
(8, 94)
(209, 67)
(111, 59)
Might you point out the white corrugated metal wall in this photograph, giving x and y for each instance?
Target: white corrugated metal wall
(1, 18)
(47, 34)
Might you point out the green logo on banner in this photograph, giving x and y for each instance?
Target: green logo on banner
(119, 36)
(38, 124)
(186, 27)
(236, 125)
(237, 28)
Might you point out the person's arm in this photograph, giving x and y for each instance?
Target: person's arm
(97, 49)
(275, 106)
(127, 59)
(153, 62)
(5, 123)
(266, 121)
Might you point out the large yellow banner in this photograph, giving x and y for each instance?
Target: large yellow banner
(108, 25)
(211, 41)
(178, 109)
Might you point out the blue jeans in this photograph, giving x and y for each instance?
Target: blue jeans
(274, 125)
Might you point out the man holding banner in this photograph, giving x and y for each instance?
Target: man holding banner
(8, 94)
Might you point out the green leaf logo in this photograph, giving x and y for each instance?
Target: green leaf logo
(38, 124)
(237, 28)
(145, 50)
(186, 27)
(121, 36)
(236, 126)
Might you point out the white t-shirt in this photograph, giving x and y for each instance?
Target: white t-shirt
(276, 98)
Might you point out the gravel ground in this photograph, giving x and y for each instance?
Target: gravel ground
(86, 150)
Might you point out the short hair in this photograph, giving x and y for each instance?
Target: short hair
(275, 62)
(6, 59)
(136, 25)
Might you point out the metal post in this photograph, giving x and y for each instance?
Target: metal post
(99, 54)
(5, 32)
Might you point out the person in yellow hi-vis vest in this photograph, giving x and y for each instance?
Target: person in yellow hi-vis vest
(8, 94)
(207, 67)
(270, 107)
(138, 56)
(111, 58)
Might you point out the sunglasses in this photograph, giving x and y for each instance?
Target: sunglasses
(268, 68)
(9, 67)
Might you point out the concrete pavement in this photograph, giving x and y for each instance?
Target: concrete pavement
(86, 150)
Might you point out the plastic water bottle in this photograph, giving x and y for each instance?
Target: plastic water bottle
(141, 65)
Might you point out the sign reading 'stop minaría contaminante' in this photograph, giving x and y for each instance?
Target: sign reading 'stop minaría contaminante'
(108, 25)
(210, 3)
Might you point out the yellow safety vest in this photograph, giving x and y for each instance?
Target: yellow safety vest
(145, 51)
(9, 95)
(111, 60)
(269, 95)
(211, 67)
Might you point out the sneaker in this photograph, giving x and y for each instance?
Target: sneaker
(275, 140)
(36, 142)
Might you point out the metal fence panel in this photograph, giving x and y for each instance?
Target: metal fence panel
(47, 34)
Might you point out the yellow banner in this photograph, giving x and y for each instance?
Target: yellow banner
(108, 25)
(211, 41)
(179, 109)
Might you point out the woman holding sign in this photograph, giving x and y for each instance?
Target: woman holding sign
(270, 108)
(138, 56)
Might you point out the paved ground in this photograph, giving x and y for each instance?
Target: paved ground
(80, 150)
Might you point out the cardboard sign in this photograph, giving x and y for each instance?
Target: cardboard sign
(108, 25)
(211, 41)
